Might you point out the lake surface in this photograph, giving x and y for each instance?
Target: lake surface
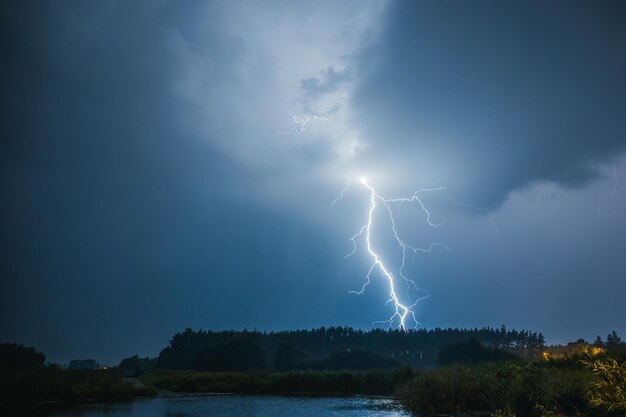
(238, 406)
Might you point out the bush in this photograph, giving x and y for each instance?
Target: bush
(49, 384)
(522, 390)
(448, 389)
(609, 389)
(373, 382)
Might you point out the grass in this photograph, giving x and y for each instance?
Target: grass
(525, 390)
(62, 385)
(373, 382)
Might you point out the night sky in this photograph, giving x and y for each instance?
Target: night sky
(153, 177)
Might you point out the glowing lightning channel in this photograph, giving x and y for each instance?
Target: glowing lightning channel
(403, 312)
(610, 195)
(299, 126)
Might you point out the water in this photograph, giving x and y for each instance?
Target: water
(239, 406)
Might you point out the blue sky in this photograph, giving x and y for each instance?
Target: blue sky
(159, 170)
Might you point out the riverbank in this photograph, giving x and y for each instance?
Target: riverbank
(313, 383)
(57, 386)
(584, 385)
(506, 389)
(581, 386)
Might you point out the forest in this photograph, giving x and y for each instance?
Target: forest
(335, 348)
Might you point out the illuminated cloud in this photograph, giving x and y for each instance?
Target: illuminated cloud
(492, 97)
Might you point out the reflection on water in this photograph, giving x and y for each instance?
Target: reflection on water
(238, 406)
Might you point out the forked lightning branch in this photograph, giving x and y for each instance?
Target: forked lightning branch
(403, 310)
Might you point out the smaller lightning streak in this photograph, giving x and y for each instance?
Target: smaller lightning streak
(610, 195)
(403, 311)
(345, 189)
(299, 126)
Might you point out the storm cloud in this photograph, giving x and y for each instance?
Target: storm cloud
(489, 97)
(148, 183)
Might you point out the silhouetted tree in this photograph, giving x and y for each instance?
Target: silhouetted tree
(598, 342)
(237, 354)
(613, 341)
(14, 357)
(134, 365)
(417, 348)
(289, 356)
(471, 351)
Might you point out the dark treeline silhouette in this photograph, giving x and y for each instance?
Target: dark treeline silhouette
(472, 352)
(134, 365)
(83, 364)
(236, 353)
(25, 378)
(334, 348)
(15, 357)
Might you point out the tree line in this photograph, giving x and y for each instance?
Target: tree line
(336, 348)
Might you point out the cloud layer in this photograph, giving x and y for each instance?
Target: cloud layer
(153, 176)
(490, 97)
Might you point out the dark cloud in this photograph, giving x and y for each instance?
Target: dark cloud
(128, 212)
(88, 168)
(488, 97)
(145, 188)
(110, 201)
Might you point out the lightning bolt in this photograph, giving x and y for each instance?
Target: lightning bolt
(403, 313)
(610, 194)
(299, 127)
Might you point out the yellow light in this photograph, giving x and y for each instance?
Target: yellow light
(596, 350)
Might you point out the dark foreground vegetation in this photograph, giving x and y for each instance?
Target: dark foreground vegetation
(442, 371)
(25, 379)
(314, 383)
(522, 390)
(582, 383)
(500, 373)
(66, 385)
(574, 381)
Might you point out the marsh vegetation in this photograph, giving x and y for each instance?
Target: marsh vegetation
(504, 373)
